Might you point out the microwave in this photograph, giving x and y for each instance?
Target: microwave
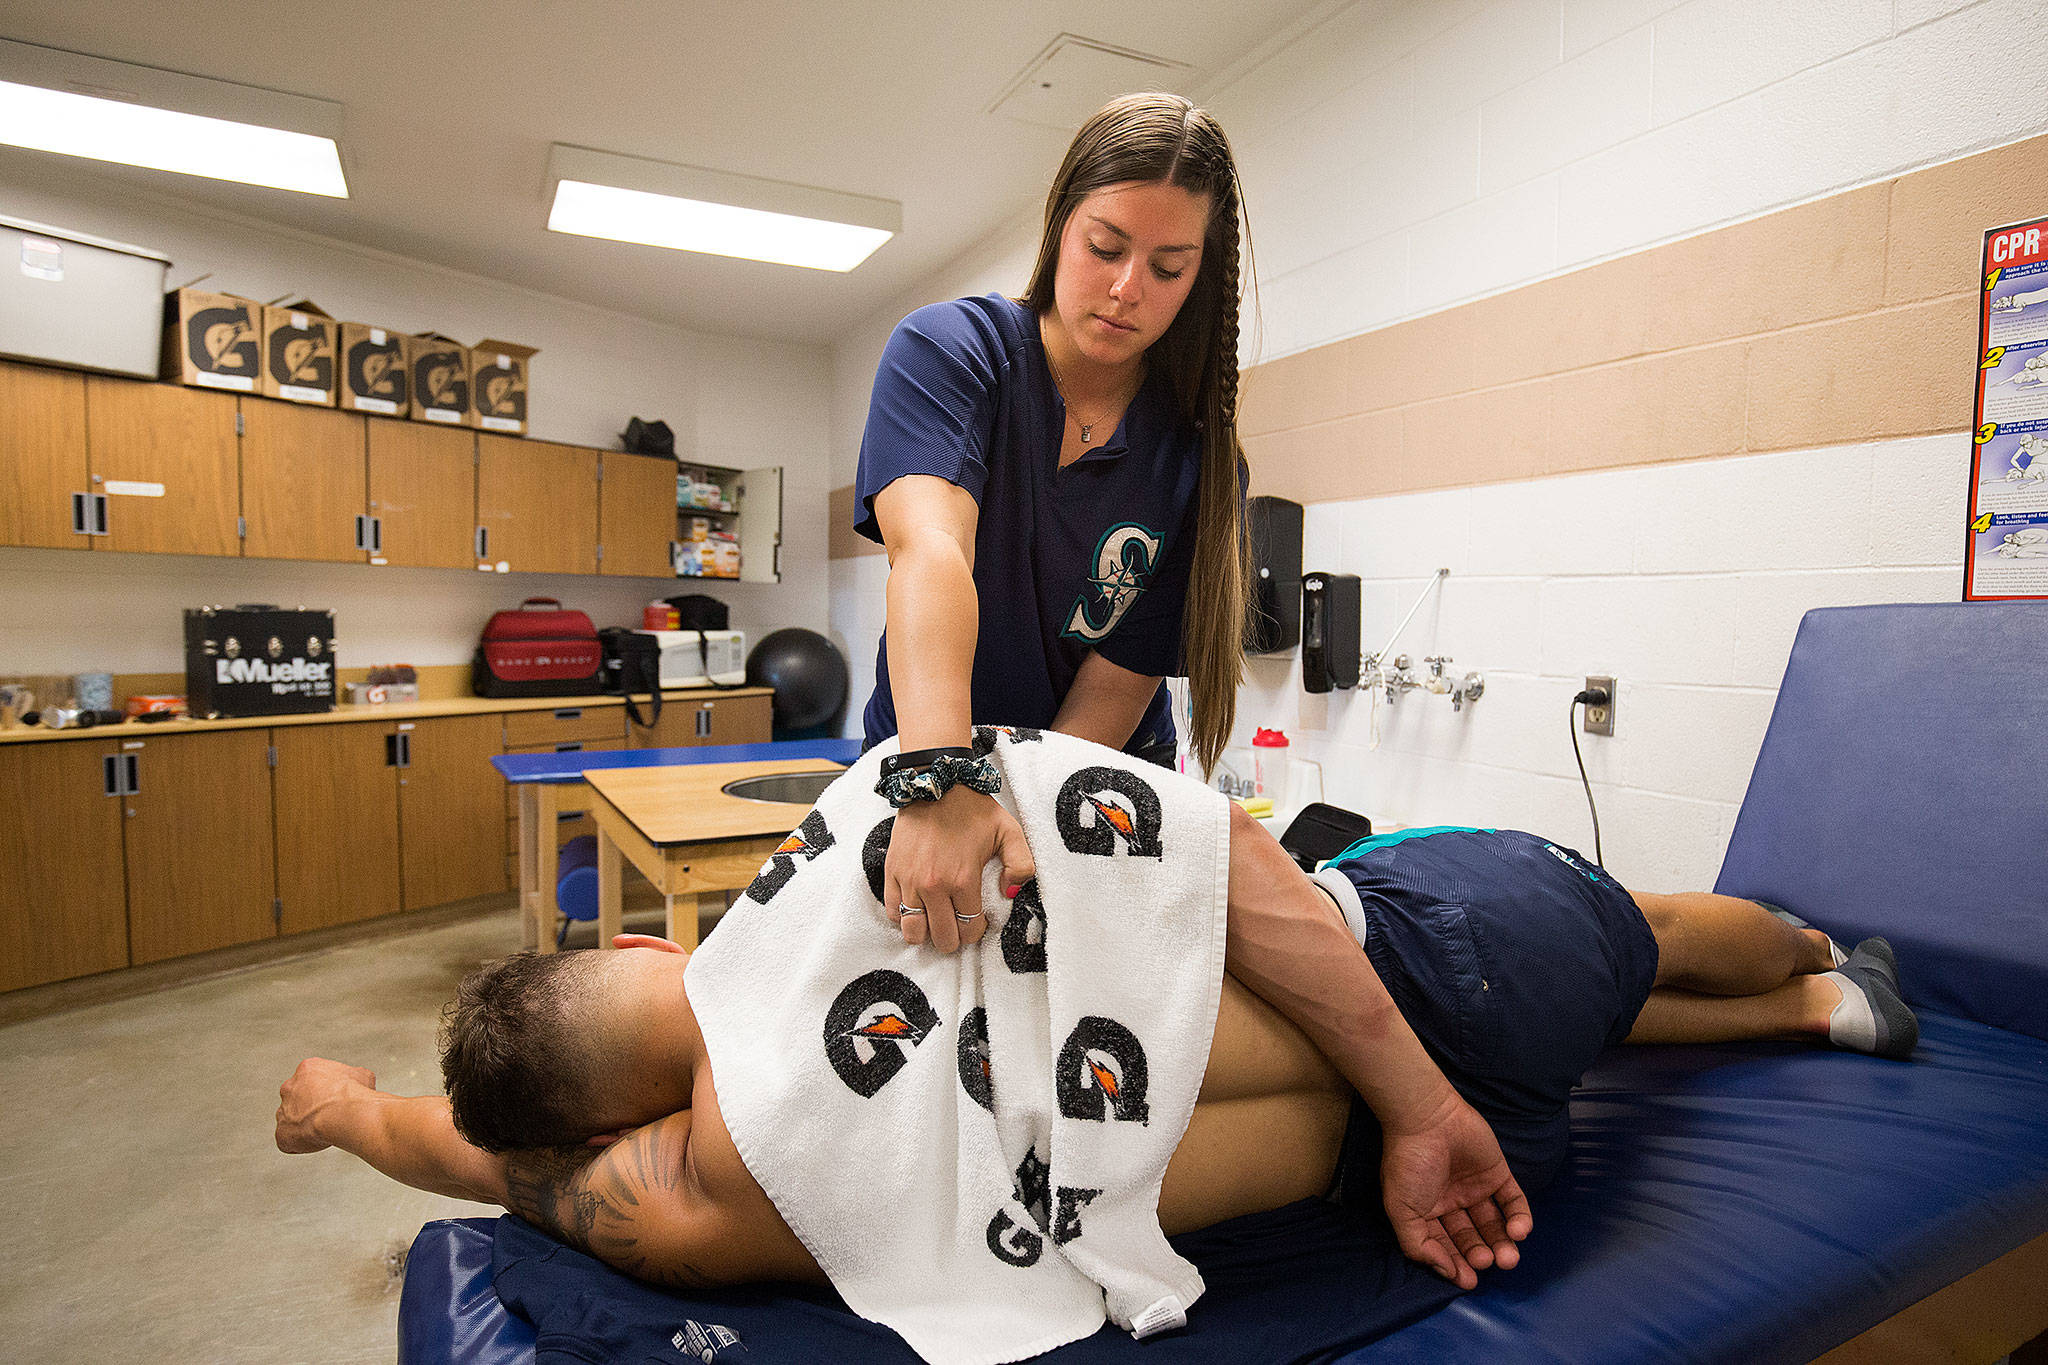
(698, 658)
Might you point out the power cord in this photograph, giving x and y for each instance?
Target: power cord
(1591, 696)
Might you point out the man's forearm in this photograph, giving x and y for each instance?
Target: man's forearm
(413, 1140)
(1289, 944)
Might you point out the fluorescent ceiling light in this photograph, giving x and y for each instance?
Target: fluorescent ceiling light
(52, 101)
(654, 203)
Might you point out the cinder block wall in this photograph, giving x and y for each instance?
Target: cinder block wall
(1650, 320)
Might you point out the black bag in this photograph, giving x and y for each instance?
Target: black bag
(695, 611)
(648, 438)
(632, 663)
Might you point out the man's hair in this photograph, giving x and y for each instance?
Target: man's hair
(519, 1056)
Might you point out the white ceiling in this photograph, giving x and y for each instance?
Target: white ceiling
(450, 107)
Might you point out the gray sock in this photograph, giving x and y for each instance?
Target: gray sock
(1876, 955)
(1871, 1017)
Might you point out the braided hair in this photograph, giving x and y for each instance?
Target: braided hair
(1163, 138)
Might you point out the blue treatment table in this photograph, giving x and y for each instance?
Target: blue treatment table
(1763, 1202)
(550, 785)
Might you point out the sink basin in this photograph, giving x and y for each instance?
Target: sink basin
(794, 789)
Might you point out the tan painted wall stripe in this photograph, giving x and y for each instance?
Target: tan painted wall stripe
(1851, 318)
(1847, 319)
(846, 543)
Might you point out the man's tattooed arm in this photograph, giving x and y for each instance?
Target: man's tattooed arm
(624, 1204)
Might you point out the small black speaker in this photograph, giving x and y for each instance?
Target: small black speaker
(1329, 630)
(1274, 611)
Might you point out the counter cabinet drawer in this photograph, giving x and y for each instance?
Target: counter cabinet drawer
(600, 727)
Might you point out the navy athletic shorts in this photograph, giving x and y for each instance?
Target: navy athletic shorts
(1514, 960)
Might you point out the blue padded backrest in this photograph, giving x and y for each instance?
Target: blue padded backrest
(1902, 790)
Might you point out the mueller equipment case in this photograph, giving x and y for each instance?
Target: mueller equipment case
(538, 649)
(258, 660)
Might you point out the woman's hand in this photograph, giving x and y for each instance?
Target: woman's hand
(937, 850)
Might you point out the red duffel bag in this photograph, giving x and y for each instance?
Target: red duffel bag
(542, 649)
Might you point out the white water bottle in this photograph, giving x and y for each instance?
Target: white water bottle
(1270, 765)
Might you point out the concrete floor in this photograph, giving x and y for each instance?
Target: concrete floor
(146, 1214)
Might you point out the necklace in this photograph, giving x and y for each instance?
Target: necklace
(1059, 387)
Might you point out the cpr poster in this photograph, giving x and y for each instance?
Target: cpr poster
(2007, 553)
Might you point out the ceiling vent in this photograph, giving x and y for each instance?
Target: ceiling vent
(1075, 76)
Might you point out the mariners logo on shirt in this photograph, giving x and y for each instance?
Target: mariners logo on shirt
(1124, 560)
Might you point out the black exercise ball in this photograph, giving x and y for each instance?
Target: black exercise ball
(809, 677)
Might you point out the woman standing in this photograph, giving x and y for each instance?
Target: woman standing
(1059, 485)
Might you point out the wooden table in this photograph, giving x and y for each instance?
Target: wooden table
(685, 835)
(552, 784)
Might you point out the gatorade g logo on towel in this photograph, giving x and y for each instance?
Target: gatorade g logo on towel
(872, 1026)
(1011, 1240)
(975, 1077)
(1124, 560)
(874, 853)
(1101, 1073)
(1101, 807)
(985, 737)
(811, 839)
(1024, 934)
(219, 336)
(1054, 1211)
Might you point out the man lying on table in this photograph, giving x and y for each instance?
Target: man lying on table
(1495, 967)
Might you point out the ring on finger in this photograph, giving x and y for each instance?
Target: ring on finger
(910, 909)
(968, 919)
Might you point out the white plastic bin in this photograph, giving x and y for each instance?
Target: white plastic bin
(70, 299)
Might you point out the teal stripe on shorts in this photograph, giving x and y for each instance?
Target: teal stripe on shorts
(1373, 841)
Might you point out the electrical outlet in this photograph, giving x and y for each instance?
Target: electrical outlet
(1599, 719)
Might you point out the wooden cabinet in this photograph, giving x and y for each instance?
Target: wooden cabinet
(637, 516)
(565, 728)
(167, 459)
(536, 505)
(63, 899)
(304, 490)
(422, 495)
(451, 809)
(713, 720)
(43, 465)
(199, 858)
(337, 823)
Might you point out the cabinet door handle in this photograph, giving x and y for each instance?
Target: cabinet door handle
(78, 526)
(99, 514)
(132, 763)
(376, 535)
(404, 750)
(362, 539)
(569, 713)
(391, 751)
(483, 541)
(704, 723)
(572, 748)
(112, 775)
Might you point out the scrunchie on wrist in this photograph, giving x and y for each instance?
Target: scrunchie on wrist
(929, 784)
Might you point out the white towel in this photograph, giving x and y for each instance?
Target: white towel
(971, 1146)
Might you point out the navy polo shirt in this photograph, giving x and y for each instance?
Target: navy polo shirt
(1091, 557)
